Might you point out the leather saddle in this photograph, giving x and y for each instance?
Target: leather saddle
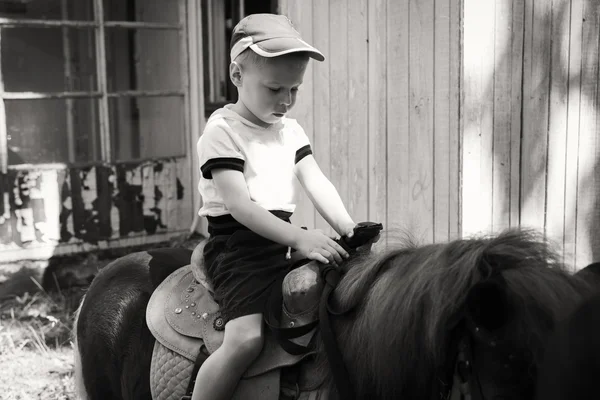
(183, 317)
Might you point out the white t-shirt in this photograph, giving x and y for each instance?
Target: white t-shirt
(266, 156)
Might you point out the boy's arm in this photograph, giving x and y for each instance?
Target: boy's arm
(324, 195)
(232, 186)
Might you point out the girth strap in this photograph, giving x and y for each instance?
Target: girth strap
(202, 356)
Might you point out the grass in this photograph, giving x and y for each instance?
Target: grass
(36, 352)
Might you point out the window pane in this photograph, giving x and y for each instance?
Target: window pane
(147, 127)
(142, 10)
(48, 9)
(143, 59)
(48, 59)
(38, 131)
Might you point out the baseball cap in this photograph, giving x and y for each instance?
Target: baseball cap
(269, 35)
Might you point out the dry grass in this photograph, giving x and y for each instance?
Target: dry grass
(35, 345)
(36, 352)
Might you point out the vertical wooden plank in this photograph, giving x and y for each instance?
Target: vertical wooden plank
(572, 143)
(557, 124)
(68, 71)
(478, 67)
(338, 89)
(3, 131)
(321, 97)
(502, 115)
(377, 111)
(301, 16)
(196, 94)
(441, 126)
(357, 134)
(587, 180)
(518, 26)
(421, 179)
(398, 212)
(536, 90)
(454, 176)
(105, 139)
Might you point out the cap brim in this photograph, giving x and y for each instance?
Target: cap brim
(280, 46)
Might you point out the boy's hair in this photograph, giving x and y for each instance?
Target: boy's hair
(249, 57)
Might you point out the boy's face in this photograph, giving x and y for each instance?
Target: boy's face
(269, 90)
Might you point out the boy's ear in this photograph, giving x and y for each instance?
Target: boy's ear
(235, 73)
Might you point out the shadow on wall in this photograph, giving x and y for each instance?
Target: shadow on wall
(540, 98)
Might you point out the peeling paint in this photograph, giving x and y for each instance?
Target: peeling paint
(88, 205)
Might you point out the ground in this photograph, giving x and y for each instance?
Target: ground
(36, 319)
(35, 347)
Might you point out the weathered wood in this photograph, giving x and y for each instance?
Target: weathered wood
(557, 124)
(572, 143)
(420, 134)
(455, 222)
(442, 168)
(357, 133)
(377, 110)
(518, 24)
(398, 191)
(301, 15)
(536, 81)
(478, 64)
(338, 88)
(321, 97)
(588, 187)
(502, 114)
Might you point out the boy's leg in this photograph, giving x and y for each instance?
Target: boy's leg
(220, 373)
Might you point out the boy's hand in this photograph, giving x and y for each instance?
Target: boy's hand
(315, 245)
(348, 229)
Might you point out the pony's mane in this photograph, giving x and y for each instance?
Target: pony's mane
(402, 300)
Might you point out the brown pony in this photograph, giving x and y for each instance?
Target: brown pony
(450, 320)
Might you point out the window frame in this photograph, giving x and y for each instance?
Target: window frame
(102, 94)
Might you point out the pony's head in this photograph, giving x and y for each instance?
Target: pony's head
(424, 318)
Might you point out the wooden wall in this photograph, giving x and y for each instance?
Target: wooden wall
(532, 122)
(382, 111)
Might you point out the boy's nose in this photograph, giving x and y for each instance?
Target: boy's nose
(287, 99)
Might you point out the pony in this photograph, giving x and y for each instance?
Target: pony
(464, 319)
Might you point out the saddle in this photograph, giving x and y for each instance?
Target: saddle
(183, 317)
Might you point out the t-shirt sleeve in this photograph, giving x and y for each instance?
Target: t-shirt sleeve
(303, 148)
(217, 150)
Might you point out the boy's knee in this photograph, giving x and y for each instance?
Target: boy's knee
(245, 340)
(250, 345)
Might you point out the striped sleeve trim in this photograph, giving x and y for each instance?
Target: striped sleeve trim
(303, 152)
(236, 164)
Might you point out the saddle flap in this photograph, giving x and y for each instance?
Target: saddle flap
(184, 329)
(189, 306)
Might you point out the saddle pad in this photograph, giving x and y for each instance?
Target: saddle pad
(170, 373)
(181, 315)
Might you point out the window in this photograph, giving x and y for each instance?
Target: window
(92, 81)
(219, 17)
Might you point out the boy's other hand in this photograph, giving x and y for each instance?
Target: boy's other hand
(316, 245)
(348, 229)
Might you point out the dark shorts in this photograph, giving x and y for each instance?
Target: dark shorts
(242, 266)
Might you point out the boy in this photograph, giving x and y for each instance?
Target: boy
(248, 155)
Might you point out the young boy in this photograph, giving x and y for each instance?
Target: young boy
(248, 155)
